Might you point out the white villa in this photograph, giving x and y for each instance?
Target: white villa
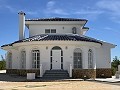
(58, 44)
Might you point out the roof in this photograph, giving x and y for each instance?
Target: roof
(54, 37)
(56, 19)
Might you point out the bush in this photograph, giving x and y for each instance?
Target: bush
(2, 65)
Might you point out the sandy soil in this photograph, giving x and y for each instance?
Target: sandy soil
(71, 85)
(13, 82)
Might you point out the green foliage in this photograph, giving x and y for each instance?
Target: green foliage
(115, 64)
(2, 65)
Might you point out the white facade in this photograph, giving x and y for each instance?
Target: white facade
(100, 52)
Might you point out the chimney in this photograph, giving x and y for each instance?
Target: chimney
(21, 25)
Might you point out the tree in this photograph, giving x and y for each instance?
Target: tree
(2, 63)
(2, 58)
(115, 64)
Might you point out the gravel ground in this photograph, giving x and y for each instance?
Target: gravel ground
(71, 85)
(14, 82)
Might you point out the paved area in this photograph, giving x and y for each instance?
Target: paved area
(110, 80)
(14, 82)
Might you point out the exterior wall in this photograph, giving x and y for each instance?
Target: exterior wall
(99, 59)
(60, 29)
(103, 57)
(45, 49)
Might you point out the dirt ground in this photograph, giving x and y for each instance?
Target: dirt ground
(14, 82)
(64, 85)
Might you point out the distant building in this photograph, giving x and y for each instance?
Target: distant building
(58, 44)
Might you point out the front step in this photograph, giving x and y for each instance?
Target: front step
(56, 74)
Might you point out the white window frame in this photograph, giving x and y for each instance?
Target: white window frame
(9, 60)
(90, 58)
(77, 58)
(35, 59)
(50, 31)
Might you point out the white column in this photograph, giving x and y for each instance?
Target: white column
(119, 68)
(94, 58)
(41, 70)
(70, 73)
(85, 58)
(28, 58)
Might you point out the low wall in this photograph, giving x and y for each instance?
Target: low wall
(80, 73)
(103, 73)
(23, 72)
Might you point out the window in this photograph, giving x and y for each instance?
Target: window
(90, 59)
(50, 30)
(53, 30)
(9, 60)
(77, 58)
(23, 59)
(35, 59)
(47, 30)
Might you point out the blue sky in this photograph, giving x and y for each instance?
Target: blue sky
(103, 17)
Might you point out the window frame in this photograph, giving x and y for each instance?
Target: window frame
(77, 58)
(90, 58)
(50, 31)
(9, 60)
(35, 59)
(23, 59)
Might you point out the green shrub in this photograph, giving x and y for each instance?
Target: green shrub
(2, 65)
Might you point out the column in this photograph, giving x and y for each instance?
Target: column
(85, 57)
(94, 58)
(28, 58)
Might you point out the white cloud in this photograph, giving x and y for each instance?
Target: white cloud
(89, 12)
(51, 8)
(11, 9)
(50, 4)
(32, 12)
(111, 8)
(111, 5)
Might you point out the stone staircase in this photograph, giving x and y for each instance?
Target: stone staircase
(56, 74)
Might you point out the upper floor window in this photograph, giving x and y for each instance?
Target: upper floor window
(50, 30)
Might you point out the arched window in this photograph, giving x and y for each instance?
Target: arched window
(35, 59)
(9, 60)
(90, 58)
(77, 58)
(23, 59)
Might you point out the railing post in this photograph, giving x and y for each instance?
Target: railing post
(70, 70)
(41, 71)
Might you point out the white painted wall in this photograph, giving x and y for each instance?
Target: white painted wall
(103, 55)
(60, 29)
(101, 58)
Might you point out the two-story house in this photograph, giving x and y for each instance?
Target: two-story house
(58, 44)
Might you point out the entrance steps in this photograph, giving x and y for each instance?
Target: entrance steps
(56, 74)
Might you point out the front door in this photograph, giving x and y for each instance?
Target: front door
(56, 59)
